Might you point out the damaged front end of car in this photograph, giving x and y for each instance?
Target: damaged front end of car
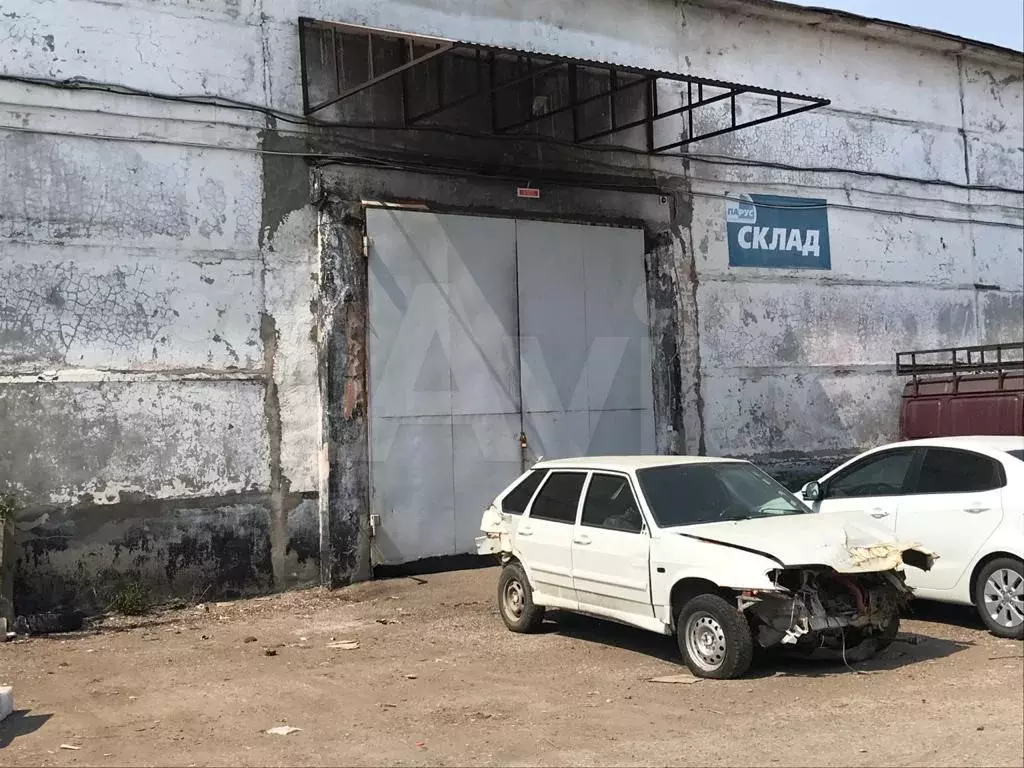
(817, 606)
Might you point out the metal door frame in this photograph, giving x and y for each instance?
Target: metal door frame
(342, 192)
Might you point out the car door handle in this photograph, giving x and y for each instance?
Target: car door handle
(879, 513)
(584, 540)
(976, 510)
(524, 532)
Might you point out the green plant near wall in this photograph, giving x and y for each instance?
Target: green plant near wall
(8, 506)
(132, 599)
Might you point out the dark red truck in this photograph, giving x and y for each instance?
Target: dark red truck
(962, 391)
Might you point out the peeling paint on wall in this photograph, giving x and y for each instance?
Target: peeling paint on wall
(46, 308)
(108, 442)
(291, 278)
(112, 192)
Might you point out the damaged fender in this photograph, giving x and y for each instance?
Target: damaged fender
(848, 547)
(497, 528)
(888, 557)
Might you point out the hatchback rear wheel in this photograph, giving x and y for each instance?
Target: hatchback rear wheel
(515, 600)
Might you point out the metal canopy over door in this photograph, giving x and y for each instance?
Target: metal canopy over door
(471, 319)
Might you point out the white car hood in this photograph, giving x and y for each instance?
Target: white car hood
(814, 539)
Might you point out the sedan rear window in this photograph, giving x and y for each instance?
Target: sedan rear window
(688, 494)
(946, 470)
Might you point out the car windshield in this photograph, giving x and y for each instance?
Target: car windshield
(688, 494)
(1017, 454)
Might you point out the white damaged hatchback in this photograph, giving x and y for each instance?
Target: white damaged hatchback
(713, 551)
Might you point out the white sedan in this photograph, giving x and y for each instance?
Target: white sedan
(962, 497)
(713, 551)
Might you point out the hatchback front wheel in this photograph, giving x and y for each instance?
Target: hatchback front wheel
(714, 638)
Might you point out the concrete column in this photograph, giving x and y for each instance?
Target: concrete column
(345, 471)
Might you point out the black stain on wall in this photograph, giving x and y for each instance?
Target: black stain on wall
(665, 333)
(285, 180)
(304, 532)
(345, 554)
(217, 548)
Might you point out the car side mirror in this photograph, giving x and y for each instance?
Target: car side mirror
(812, 491)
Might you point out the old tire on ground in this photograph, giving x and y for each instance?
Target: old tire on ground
(999, 597)
(515, 600)
(714, 638)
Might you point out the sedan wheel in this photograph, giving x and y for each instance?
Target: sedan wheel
(999, 596)
(1004, 598)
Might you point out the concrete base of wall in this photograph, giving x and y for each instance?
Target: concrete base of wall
(83, 557)
(201, 549)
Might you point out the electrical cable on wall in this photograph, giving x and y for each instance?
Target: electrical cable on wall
(341, 159)
(83, 84)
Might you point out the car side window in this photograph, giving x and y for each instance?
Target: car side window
(882, 474)
(558, 498)
(610, 504)
(518, 498)
(946, 470)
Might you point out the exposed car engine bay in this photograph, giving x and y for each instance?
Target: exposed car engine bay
(817, 606)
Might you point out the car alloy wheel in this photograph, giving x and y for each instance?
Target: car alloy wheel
(1003, 597)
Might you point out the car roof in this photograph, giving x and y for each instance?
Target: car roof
(625, 463)
(982, 442)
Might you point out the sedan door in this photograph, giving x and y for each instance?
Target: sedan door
(954, 507)
(611, 550)
(871, 486)
(543, 539)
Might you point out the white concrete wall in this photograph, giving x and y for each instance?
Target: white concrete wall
(156, 357)
(797, 361)
(130, 242)
(144, 251)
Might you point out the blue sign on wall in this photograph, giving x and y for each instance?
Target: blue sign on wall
(773, 231)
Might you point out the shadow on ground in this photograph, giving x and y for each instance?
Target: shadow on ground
(906, 649)
(20, 723)
(603, 632)
(965, 616)
(432, 565)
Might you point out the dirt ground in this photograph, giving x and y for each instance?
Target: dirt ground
(437, 680)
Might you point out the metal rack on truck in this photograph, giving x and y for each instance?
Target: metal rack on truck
(971, 390)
